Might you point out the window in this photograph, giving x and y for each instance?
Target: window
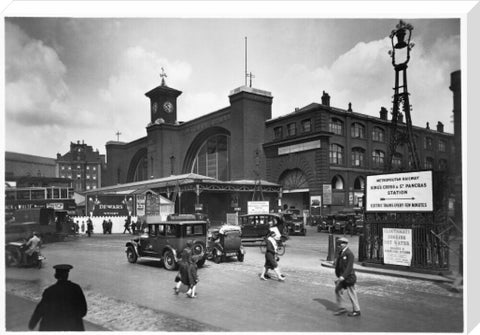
(69, 168)
(337, 183)
(358, 155)
(397, 161)
(357, 130)
(78, 167)
(88, 187)
(278, 132)
(212, 159)
(378, 158)
(94, 177)
(94, 168)
(442, 164)
(428, 143)
(192, 230)
(63, 167)
(378, 134)
(359, 183)
(442, 146)
(79, 176)
(88, 176)
(336, 154)
(88, 167)
(153, 230)
(428, 163)
(291, 129)
(336, 126)
(306, 126)
(171, 230)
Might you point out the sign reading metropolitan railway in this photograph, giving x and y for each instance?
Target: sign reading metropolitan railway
(400, 192)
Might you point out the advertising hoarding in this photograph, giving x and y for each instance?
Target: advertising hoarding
(258, 207)
(397, 246)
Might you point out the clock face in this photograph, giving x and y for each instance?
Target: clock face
(168, 107)
(154, 107)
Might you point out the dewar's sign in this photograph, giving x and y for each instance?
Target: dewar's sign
(400, 192)
(110, 205)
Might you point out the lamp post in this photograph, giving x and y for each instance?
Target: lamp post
(400, 53)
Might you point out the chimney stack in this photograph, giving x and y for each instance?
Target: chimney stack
(325, 99)
(428, 125)
(350, 107)
(383, 113)
(440, 127)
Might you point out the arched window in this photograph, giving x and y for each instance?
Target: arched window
(141, 171)
(337, 183)
(359, 183)
(336, 154)
(378, 159)
(336, 126)
(212, 159)
(378, 134)
(293, 180)
(357, 130)
(358, 157)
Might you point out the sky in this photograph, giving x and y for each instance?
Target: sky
(70, 79)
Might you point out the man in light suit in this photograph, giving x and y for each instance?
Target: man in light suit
(346, 279)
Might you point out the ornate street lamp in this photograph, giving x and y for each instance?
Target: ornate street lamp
(403, 31)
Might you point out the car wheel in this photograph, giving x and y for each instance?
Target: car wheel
(201, 262)
(198, 249)
(12, 258)
(131, 255)
(216, 257)
(240, 256)
(169, 260)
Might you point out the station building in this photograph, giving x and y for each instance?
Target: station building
(317, 156)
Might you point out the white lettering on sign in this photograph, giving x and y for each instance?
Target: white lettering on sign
(410, 191)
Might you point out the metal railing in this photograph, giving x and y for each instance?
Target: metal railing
(429, 241)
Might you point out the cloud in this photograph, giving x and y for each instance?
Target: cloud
(35, 89)
(364, 76)
(123, 99)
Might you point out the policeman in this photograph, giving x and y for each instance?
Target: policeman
(63, 305)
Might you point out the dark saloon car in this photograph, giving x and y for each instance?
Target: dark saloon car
(256, 226)
(295, 224)
(166, 241)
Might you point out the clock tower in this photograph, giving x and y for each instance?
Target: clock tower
(163, 102)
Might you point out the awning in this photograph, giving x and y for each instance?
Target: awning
(187, 183)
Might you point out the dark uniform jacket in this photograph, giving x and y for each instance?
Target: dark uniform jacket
(62, 308)
(344, 267)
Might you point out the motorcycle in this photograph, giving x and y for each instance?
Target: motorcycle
(15, 256)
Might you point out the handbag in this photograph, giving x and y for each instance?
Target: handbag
(177, 278)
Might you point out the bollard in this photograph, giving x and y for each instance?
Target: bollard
(331, 248)
(361, 247)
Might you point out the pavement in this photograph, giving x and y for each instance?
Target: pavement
(18, 311)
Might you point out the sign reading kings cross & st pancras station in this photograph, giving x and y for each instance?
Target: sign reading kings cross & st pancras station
(399, 192)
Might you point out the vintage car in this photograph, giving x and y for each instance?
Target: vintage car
(256, 226)
(166, 241)
(326, 223)
(295, 224)
(223, 242)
